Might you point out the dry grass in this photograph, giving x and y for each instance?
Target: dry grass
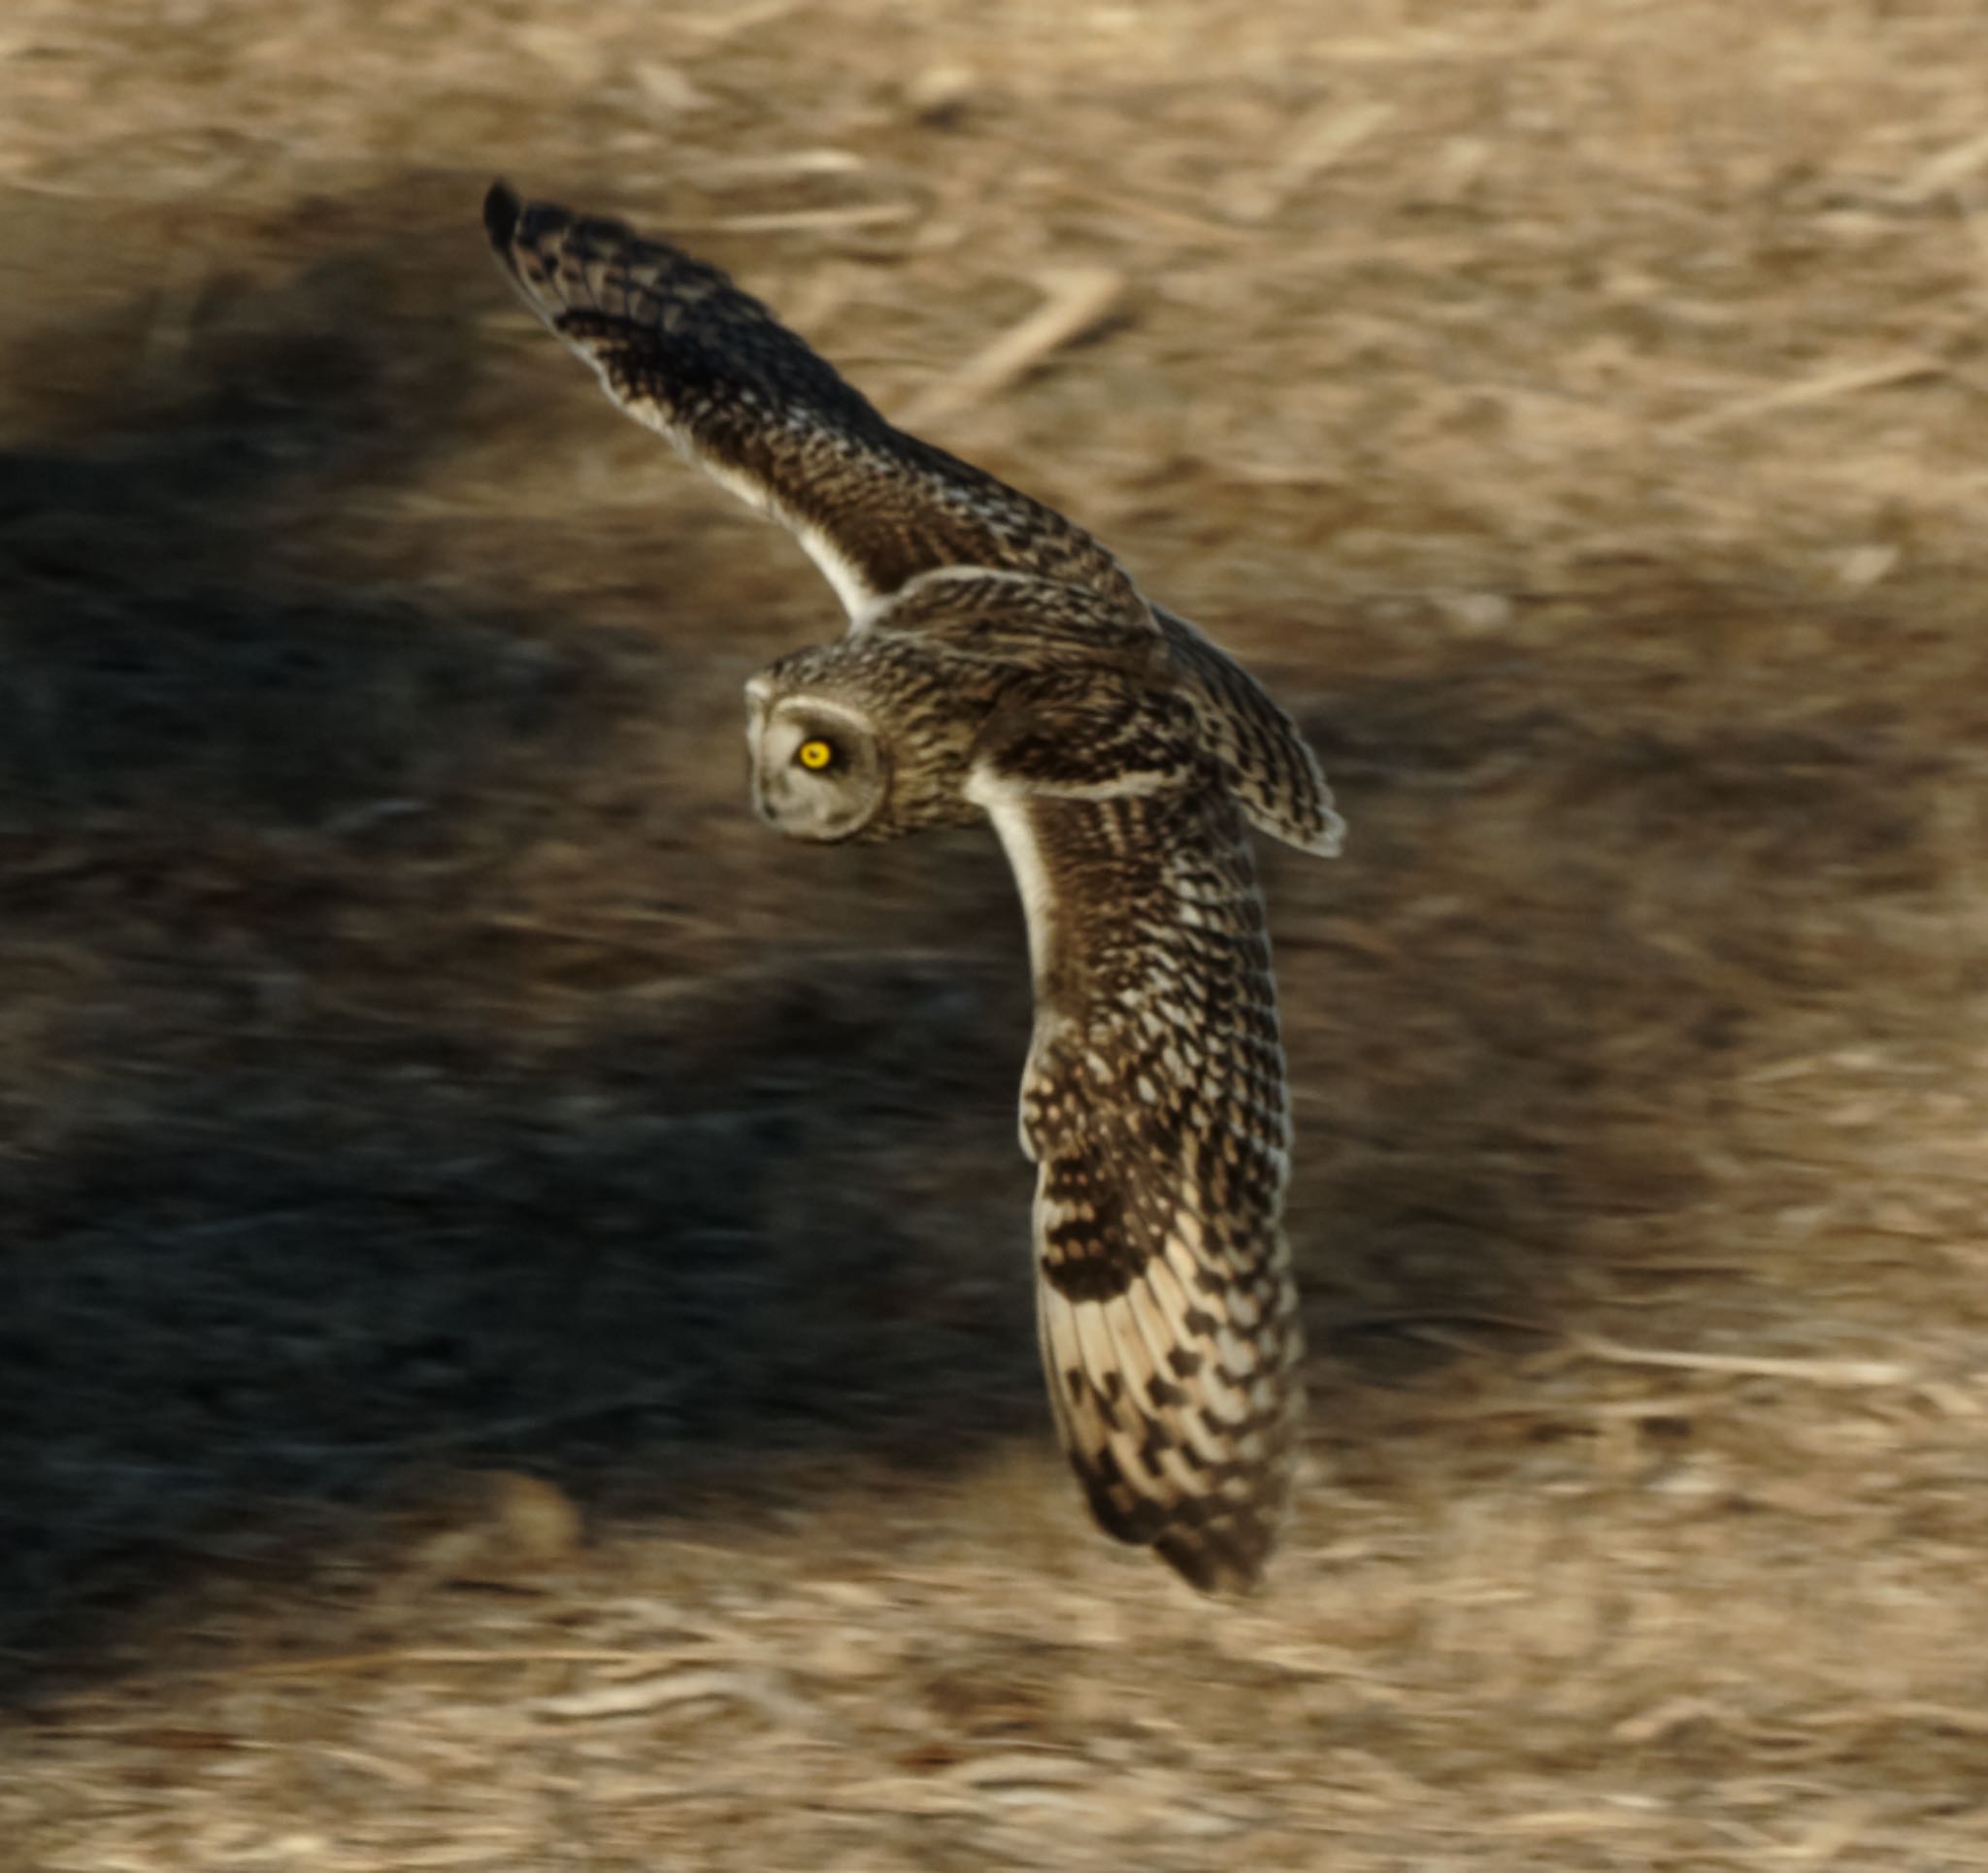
(417, 1077)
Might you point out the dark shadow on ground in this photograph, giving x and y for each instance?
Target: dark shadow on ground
(298, 1211)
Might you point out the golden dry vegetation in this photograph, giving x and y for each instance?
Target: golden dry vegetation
(516, 1348)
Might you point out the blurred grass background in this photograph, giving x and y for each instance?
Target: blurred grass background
(514, 1337)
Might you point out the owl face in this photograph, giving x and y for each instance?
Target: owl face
(819, 769)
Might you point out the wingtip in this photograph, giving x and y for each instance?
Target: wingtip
(1228, 1567)
(502, 212)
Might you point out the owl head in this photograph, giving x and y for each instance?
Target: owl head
(820, 771)
(863, 739)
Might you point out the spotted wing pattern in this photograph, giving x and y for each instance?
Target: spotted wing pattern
(1154, 1107)
(683, 350)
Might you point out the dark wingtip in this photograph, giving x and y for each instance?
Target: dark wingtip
(1223, 1569)
(502, 212)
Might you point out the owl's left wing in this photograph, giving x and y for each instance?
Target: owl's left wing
(682, 349)
(1155, 1108)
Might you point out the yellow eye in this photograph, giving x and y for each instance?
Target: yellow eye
(815, 755)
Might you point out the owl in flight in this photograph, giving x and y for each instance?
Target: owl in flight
(1000, 665)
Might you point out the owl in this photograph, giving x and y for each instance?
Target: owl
(999, 666)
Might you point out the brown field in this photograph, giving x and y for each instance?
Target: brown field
(516, 1347)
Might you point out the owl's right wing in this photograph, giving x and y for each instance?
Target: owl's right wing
(682, 349)
(1154, 1106)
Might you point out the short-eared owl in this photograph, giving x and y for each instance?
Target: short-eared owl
(998, 664)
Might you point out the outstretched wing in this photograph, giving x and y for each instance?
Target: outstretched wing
(1154, 1106)
(683, 350)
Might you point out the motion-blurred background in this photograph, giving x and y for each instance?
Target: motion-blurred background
(516, 1347)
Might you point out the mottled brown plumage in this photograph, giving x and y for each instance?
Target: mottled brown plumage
(1001, 664)
(683, 350)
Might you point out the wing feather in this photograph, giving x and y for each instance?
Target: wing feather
(1153, 1105)
(682, 349)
